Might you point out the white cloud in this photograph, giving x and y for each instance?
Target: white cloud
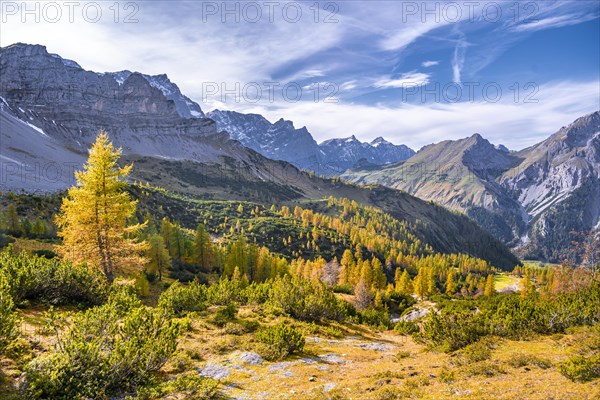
(553, 22)
(427, 64)
(408, 33)
(407, 80)
(175, 40)
(349, 85)
(516, 125)
(458, 60)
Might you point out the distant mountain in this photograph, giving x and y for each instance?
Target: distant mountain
(282, 141)
(51, 111)
(278, 141)
(558, 184)
(342, 154)
(532, 199)
(183, 104)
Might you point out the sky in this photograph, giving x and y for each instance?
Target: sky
(413, 72)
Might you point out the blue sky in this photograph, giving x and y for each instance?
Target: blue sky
(413, 72)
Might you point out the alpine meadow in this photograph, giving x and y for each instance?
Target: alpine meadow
(162, 245)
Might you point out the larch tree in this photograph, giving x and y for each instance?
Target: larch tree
(158, 255)
(13, 222)
(451, 283)
(489, 285)
(93, 217)
(203, 250)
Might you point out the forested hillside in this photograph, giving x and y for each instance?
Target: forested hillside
(126, 290)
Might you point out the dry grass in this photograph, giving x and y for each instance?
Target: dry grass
(361, 364)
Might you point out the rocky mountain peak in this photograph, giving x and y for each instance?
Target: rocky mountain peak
(582, 129)
(27, 49)
(379, 141)
(184, 105)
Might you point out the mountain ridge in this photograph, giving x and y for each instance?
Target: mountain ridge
(281, 140)
(187, 155)
(514, 195)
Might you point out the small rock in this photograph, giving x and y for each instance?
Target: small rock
(332, 358)
(328, 387)
(311, 379)
(374, 346)
(287, 374)
(215, 371)
(251, 358)
(282, 365)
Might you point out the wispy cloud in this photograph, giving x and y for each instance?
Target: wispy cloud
(363, 53)
(559, 104)
(349, 85)
(409, 79)
(553, 22)
(458, 60)
(427, 64)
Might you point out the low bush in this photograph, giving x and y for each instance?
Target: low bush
(401, 355)
(581, 368)
(509, 316)
(226, 292)
(8, 321)
(522, 360)
(57, 282)
(306, 300)
(406, 327)
(478, 351)
(189, 386)
(484, 368)
(257, 293)
(279, 341)
(375, 318)
(447, 375)
(224, 315)
(346, 289)
(109, 351)
(182, 299)
(449, 332)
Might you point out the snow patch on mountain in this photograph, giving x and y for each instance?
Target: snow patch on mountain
(282, 141)
(184, 105)
(67, 63)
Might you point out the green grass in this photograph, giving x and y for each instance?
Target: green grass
(502, 281)
(538, 264)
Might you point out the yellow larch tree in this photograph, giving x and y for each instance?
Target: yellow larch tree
(93, 217)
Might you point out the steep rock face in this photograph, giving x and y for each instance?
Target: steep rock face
(456, 174)
(184, 105)
(30, 76)
(532, 199)
(387, 152)
(342, 154)
(282, 141)
(558, 184)
(278, 141)
(52, 111)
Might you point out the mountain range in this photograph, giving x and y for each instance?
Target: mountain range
(533, 199)
(51, 110)
(282, 141)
